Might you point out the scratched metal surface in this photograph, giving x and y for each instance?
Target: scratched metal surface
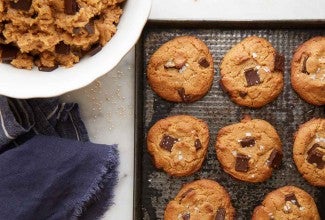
(286, 113)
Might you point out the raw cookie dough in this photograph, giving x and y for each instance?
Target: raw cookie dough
(308, 71)
(181, 70)
(287, 202)
(178, 144)
(309, 151)
(252, 72)
(200, 200)
(48, 33)
(249, 150)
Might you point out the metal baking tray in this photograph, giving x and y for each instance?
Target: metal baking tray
(154, 188)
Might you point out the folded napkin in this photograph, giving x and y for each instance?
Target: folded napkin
(49, 177)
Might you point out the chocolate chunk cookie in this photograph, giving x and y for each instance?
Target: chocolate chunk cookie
(308, 71)
(309, 151)
(249, 150)
(198, 200)
(181, 70)
(287, 202)
(178, 144)
(252, 72)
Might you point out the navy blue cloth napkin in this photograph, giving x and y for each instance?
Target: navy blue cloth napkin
(58, 176)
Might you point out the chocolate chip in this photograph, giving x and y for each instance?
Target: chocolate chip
(62, 48)
(279, 62)
(221, 214)
(9, 52)
(304, 68)
(71, 7)
(90, 28)
(315, 156)
(248, 142)
(167, 142)
(275, 159)
(292, 198)
(186, 216)
(47, 69)
(242, 94)
(241, 163)
(252, 77)
(197, 144)
(23, 5)
(76, 30)
(185, 194)
(184, 97)
(94, 49)
(204, 63)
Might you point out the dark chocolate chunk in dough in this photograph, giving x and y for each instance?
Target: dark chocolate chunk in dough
(62, 48)
(94, 49)
(184, 97)
(167, 142)
(279, 62)
(186, 216)
(252, 77)
(248, 142)
(197, 144)
(315, 156)
(23, 5)
(204, 63)
(242, 94)
(9, 52)
(221, 214)
(275, 159)
(47, 69)
(71, 7)
(242, 163)
(90, 28)
(292, 198)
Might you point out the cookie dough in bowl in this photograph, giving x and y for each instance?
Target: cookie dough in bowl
(60, 33)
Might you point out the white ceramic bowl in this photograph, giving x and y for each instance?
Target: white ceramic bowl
(19, 83)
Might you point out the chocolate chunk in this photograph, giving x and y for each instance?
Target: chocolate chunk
(9, 52)
(204, 63)
(184, 97)
(185, 194)
(315, 156)
(221, 214)
(304, 68)
(167, 142)
(279, 62)
(62, 48)
(242, 94)
(90, 28)
(248, 142)
(94, 49)
(47, 69)
(186, 216)
(252, 77)
(23, 5)
(292, 198)
(275, 159)
(197, 144)
(241, 163)
(71, 7)
(76, 30)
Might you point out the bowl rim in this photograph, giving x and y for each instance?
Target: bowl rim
(49, 84)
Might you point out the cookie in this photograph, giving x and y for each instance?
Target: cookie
(308, 71)
(252, 72)
(178, 144)
(51, 33)
(181, 70)
(309, 151)
(249, 150)
(288, 202)
(199, 200)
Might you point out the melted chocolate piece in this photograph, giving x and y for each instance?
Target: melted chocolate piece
(185, 194)
(47, 69)
(315, 156)
(197, 144)
(8, 53)
(184, 97)
(167, 142)
(186, 216)
(304, 68)
(252, 77)
(221, 214)
(242, 163)
(292, 198)
(242, 94)
(204, 63)
(279, 62)
(62, 48)
(76, 30)
(90, 28)
(94, 49)
(23, 5)
(248, 142)
(275, 159)
(71, 7)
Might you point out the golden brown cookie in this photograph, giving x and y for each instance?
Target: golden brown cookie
(51, 33)
(249, 150)
(181, 70)
(200, 200)
(252, 72)
(178, 144)
(308, 71)
(288, 202)
(309, 151)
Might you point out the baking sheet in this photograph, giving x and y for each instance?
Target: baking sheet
(154, 188)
